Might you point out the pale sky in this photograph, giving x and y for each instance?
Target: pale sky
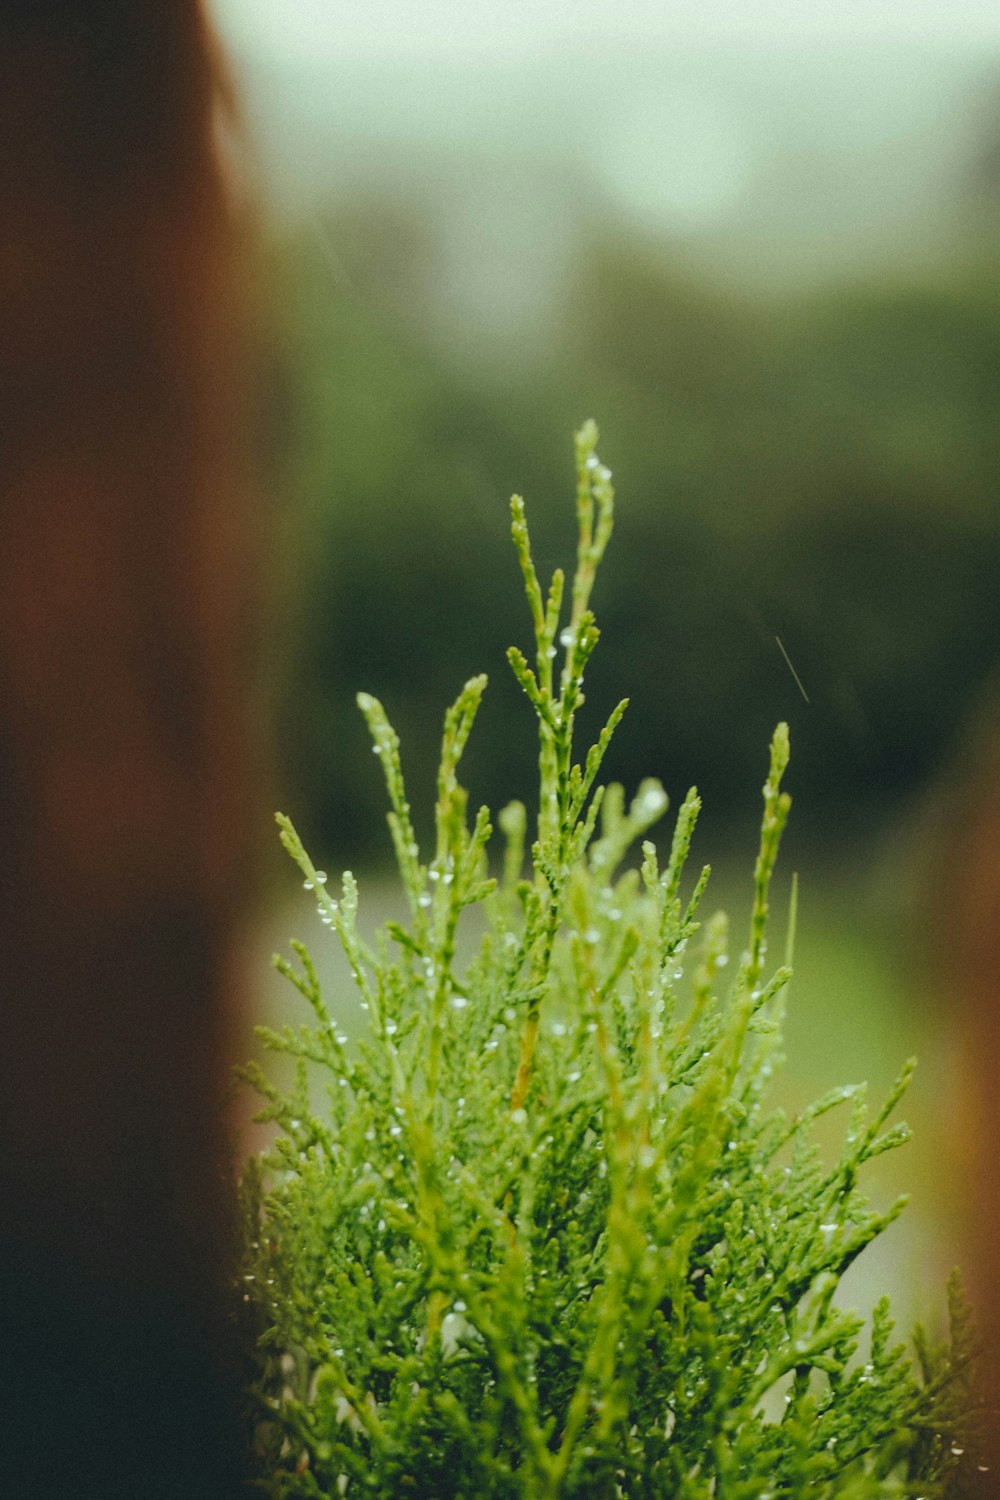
(307, 30)
(800, 131)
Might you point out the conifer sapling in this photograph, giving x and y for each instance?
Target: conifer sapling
(539, 1234)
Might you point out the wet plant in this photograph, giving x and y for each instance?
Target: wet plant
(540, 1233)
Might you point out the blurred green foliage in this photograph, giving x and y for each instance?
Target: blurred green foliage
(819, 469)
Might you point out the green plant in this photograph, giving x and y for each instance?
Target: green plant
(545, 1237)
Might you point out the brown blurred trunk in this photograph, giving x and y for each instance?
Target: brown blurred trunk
(121, 752)
(968, 936)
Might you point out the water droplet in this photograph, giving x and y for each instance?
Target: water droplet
(321, 877)
(604, 473)
(424, 899)
(957, 1450)
(519, 1116)
(308, 884)
(573, 1077)
(447, 878)
(391, 1028)
(395, 1130)
(376, 749)
(342, 1038)
(558, 1028)
(567, 637)
(591, 936)
(593, 461)
(459, 1002)
(721, 960)
(459, 1306)
(647, 1156)
(550, 653)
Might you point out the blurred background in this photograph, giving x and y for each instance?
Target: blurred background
(758, 243)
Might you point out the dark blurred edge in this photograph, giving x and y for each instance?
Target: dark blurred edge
(124, 765)
(963, 916)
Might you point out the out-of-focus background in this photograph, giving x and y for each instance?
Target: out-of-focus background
(758, 242)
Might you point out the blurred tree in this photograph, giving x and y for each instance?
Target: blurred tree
(817, 472)
(123, 751)
(962, 922)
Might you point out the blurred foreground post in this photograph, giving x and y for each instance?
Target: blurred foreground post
(122, 718)
(969, 941)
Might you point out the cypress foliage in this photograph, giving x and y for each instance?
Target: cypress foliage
(540, 1235)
